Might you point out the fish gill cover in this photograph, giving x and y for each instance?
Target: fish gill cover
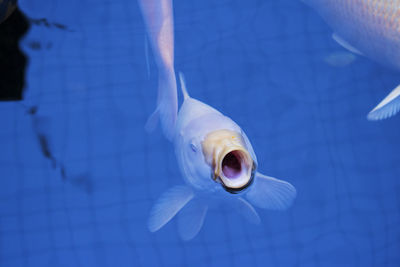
(88, 96)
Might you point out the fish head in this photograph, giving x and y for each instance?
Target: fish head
(230, 160)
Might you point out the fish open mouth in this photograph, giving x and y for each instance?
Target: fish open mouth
(232, 164)
(236, 171)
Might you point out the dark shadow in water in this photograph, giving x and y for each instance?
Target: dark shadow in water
(12, 82)
(41, 126)
(46, 23)
(36, 45)
(12, 60)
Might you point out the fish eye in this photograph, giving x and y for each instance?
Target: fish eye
(193, 147)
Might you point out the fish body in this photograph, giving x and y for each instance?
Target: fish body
(215, 157)
(370, 28)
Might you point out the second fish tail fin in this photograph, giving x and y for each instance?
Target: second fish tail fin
(388, 107)
(181, 201)
(167, 105)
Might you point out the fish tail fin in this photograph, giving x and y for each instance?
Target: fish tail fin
(183, 86)
(388, 107)
(271, 193)
(167, 107)
(179, 200)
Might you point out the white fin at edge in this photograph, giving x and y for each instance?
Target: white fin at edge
(388, 107)
(345, 44)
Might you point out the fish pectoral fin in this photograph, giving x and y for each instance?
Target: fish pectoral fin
(271, 193)
(389, 106)
(168, 205)
(346, 44)
(191, 219)
(246, 210)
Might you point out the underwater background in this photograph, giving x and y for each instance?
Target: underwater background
(79, 173)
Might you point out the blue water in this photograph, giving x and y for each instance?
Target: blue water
(259, 62)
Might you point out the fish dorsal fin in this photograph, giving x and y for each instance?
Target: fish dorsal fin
(183, 86)
(271, 193)
(389, 106)
(346, 44)
(168, 205)
(191, 219)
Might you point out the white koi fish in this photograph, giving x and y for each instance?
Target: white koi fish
(218, 163)
(370, 28)
(215, 156)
